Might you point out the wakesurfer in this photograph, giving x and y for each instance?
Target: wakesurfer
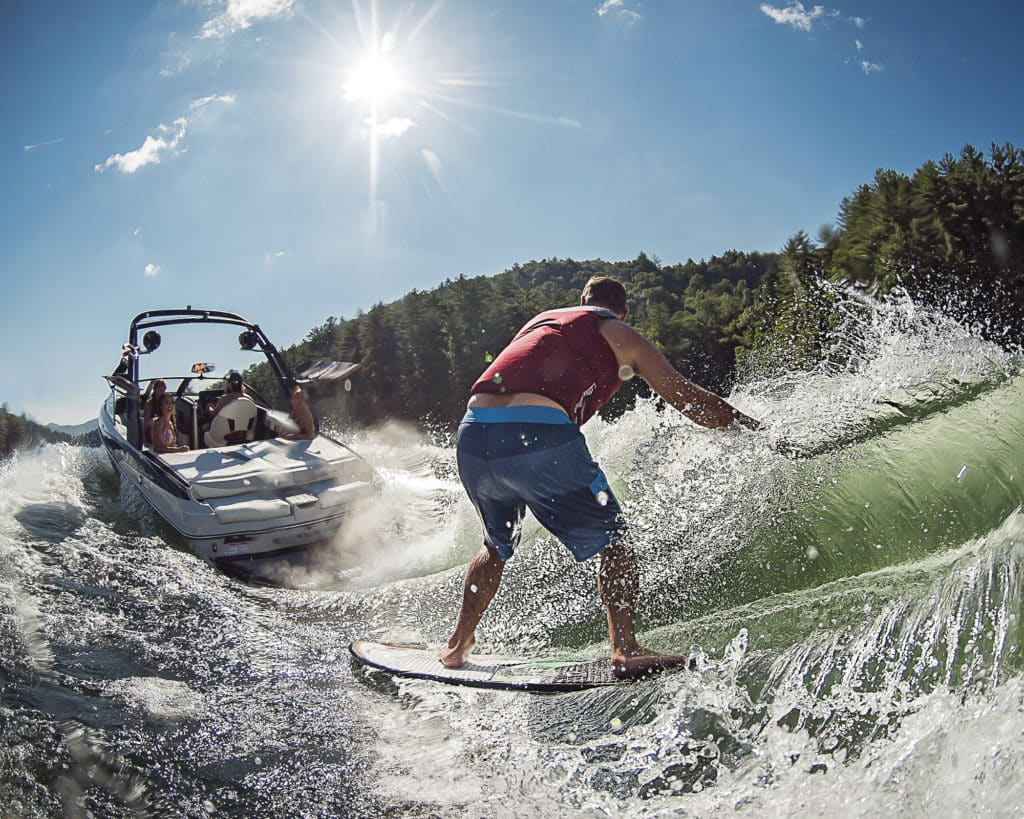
(520, 446)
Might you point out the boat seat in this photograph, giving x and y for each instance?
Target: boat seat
(234, 424)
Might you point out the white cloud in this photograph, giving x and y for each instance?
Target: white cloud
(859, 44)
(619, 9)
(870, 68)
(858, 21)
(168, 141)
(396, 126)
(795, 14)
(202, 102)
(239, 15)
(151, 270)
(43, 144)
(150, 151)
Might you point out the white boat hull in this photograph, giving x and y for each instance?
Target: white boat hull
(248, 500)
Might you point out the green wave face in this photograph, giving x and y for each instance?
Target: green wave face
(916, 490)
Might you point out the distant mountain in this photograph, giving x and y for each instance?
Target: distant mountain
(75, 430)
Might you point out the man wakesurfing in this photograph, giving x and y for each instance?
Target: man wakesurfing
(520, 446)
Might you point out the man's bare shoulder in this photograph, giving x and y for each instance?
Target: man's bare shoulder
(624, 338)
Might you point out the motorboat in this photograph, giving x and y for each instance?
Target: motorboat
(241, 487)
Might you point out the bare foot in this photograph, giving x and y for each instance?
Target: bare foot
(642, 662)
(457, 653)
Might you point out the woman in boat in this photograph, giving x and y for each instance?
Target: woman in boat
(151, 409)
(165, 431)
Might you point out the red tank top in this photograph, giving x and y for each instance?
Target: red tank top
(561, 355)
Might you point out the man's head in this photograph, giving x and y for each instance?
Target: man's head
(235, 381)
(604, 291)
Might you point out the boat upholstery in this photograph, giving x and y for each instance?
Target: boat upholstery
(235, 423)
(262, 480)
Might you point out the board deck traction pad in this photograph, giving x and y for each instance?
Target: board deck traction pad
(510, 673)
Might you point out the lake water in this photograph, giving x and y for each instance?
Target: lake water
(856, 613)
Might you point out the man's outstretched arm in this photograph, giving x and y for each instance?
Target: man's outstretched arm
(695, 402)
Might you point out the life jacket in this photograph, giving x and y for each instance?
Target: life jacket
(561, 355)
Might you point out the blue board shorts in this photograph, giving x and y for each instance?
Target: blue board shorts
(514, 458)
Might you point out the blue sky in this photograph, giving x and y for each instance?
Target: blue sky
(298, 159)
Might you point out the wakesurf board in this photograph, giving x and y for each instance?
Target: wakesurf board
(539, 675)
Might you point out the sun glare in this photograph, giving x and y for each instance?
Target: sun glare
(372, 80)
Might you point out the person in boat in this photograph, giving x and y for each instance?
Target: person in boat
(235, 389)
(519, 445)
(301, 415)
(152, 407)
(123, 365)
(165, 430)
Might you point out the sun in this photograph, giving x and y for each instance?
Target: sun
(373, 80)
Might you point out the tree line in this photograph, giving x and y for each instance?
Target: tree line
(421, 353)
(952, 233)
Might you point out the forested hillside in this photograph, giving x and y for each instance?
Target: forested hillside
(421, 354)
(17, 431)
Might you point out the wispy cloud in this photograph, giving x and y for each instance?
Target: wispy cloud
(43, 144)
(202, 102)
(795, 15)
(435, 166)
(870, 68)
(175, 58)
(151, 270)
(619, 10)
(859, 44)
(168, 141)
(394, 127)
(150, 151)
(239, 15)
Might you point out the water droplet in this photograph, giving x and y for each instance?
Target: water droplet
(496, 378)
(602, 498)
(488, 358)
(961, 473)
(615, 723)
(472, 587)
(626, 372)
(812, 553)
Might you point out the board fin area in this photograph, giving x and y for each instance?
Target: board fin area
(539, 675)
